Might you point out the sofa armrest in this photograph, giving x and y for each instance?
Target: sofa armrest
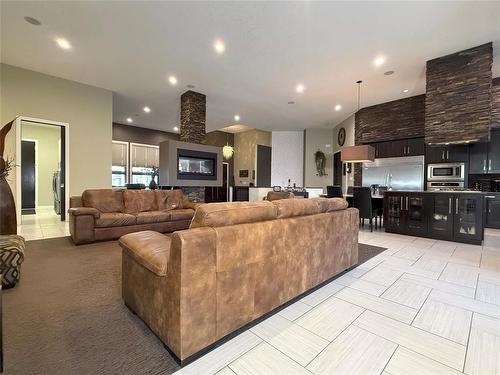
(192, 288)
(186, 203)
(79, 211)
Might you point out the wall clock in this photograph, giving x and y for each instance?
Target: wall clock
(341, 137)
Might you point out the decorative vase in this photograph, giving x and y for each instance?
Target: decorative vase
(153, 185)
(8, 220)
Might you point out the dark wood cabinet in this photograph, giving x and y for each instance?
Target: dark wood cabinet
(452, 217)
(478, 158)
(468, 218)
(399, 148)
(415, 147)
(484, 157)
(454, 153)
(492, 211)
(441, 216)
(494, 152)
(405, 213)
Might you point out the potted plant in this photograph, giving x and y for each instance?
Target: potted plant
(320, 160)
(153, 185)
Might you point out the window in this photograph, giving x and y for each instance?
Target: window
(143, 159)
(119, 168)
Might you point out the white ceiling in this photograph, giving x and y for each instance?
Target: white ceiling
(131, 47)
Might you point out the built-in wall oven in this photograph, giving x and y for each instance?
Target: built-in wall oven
(446, 176)
(446, 172)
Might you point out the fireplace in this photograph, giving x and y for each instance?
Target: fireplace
(190, 164)
(199, 165)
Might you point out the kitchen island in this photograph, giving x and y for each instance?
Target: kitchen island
(444, 215)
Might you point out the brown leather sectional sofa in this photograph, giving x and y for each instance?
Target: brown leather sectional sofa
(107, 214)
(236, 262)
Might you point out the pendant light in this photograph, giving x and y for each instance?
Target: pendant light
(227, 150)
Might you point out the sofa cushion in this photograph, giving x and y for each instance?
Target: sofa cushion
(181, 214)
(296, 207)
(169, 199)
(114, 219)
(222, 214)
(149, 217)
(139, 201)
(104, 200)
(337, 204)
(149, 249)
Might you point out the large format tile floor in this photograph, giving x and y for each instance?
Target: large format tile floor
(420, 307)
(44, 224)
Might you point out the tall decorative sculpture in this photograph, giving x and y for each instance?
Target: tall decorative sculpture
(8, 221)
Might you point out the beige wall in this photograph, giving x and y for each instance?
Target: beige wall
(244, 152)
(348, 124)
(318, 139)
(47, 153)
(88, 111)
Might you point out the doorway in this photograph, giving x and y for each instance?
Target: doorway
(29, 161)
(337, 169)
(41, 178)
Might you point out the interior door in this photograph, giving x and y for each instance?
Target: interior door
(28, 176)
(62, 173)
(263, 166)
(337, 169)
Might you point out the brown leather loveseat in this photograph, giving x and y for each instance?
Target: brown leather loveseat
(236, 262)
(107, 214)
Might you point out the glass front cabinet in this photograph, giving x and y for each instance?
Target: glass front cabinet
(441, 216)
(445, 216)
(468, 221)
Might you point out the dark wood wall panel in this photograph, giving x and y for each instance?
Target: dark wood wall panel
(458, 96)
(495, 104)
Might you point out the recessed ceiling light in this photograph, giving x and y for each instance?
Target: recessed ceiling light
(147, 109)
(172, 80)
(219, 46)
(63, 43)
(405, 90)
(379, 61)
(33, 21)
(129, 119)
(176, 128)
(291, 102)
(338, 107)
(389, 73)
(300, 88)
(236, 117)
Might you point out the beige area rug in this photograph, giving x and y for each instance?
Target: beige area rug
(66, 315)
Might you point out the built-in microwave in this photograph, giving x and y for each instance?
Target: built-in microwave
(446, 172)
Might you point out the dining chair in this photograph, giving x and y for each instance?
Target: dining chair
(334, 191)
(362, 200)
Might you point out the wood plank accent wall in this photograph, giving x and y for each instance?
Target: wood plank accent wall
(495, 104)
(458, 96)
(399, 119)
